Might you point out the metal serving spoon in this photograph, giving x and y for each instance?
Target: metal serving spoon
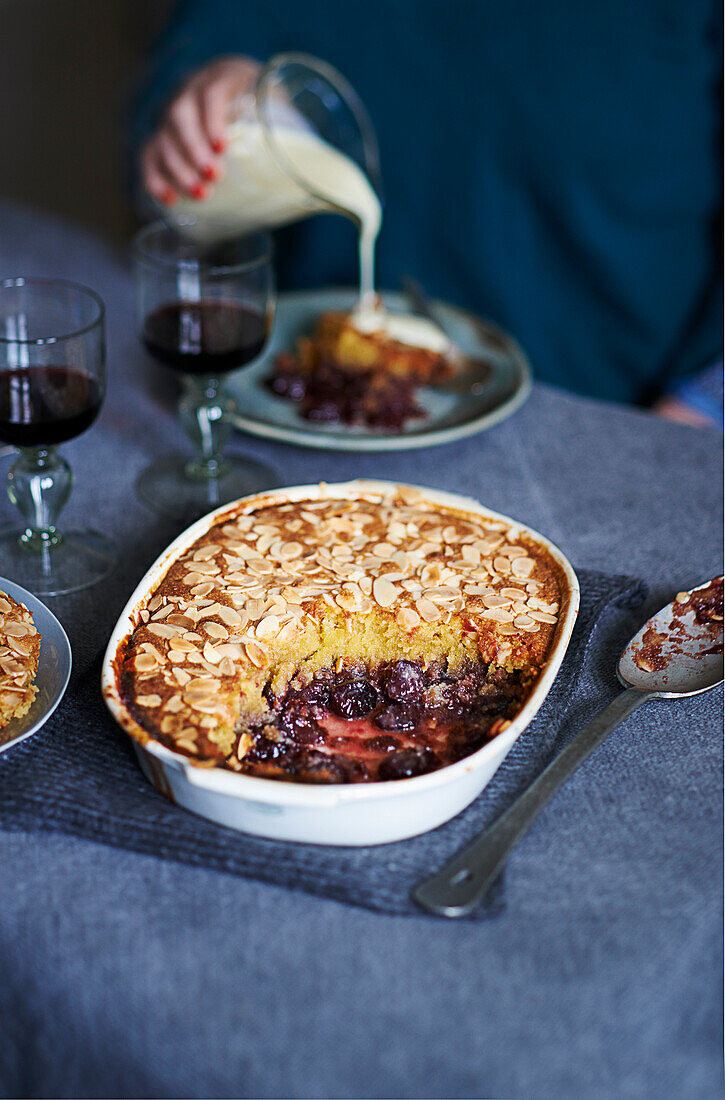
(672, 656)
(472, 373)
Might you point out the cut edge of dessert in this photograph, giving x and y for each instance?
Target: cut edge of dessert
(363, 368)
(339, 639)
(19, 655)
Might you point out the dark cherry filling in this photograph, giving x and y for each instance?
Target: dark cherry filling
(329, 395)
(395, 723)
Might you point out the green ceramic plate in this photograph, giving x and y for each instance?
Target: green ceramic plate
(450, 416)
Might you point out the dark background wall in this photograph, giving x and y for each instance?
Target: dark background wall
(66, 70)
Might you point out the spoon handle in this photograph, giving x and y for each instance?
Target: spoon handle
(418, 299)
(461, 884)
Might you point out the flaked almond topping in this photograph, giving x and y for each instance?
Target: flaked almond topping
(512, 552)
(206, 552)
(202, 589)
(287, 632)
(148, 700)
(266, 626)
(521, 567)
(216, 630)
(536, 604)
(210, 654)
(495, 601)
(407, 618)
(177, 619)
(523, 622)
(430, 575)
(17, 630)
(384, 592)
(427, 610)
(202, 684)
(212, 609)
(161, 630)
(348, 602)
(255, 653)
(144, 662)
(260, 567)
(542, 617)
(497, 615)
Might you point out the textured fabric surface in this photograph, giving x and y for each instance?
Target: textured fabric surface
(99, 792)
(125, 974)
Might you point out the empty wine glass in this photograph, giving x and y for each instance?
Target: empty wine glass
(203, 313)
(52, 384)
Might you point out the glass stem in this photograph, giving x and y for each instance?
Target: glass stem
(203, 410)
(39, 484)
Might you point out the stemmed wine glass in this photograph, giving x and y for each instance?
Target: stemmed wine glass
(204, 313)
(52, 384)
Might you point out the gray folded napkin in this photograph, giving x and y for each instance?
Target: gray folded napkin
(79, 776)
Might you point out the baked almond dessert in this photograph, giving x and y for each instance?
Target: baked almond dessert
(363, 368)
(19, 653)
(341, 639)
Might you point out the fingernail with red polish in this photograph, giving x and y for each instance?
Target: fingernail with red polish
(209, 173)
(169, 197)
(218, 145)
(198, 191)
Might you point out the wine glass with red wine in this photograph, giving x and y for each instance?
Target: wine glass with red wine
(203, 312)
(52, 384)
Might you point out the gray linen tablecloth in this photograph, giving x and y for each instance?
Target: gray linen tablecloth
(124, 975)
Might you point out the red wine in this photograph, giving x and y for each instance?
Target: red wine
(42, 406)
(206, 337)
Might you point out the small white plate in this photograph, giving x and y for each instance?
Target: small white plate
(449, 416)
(54, 667)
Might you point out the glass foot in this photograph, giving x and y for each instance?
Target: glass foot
(78, 560)
(168, 488)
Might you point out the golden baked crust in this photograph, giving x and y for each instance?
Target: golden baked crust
(19, 653)
(279, 592)
(338, 340)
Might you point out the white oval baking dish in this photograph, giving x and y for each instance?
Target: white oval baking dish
(346, 814)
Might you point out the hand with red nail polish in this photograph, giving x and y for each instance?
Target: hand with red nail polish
(192, 136)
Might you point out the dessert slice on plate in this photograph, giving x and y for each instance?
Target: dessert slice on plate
(363, 368)
(19, 653)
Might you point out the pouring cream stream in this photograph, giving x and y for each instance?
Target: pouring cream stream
(265, 187)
